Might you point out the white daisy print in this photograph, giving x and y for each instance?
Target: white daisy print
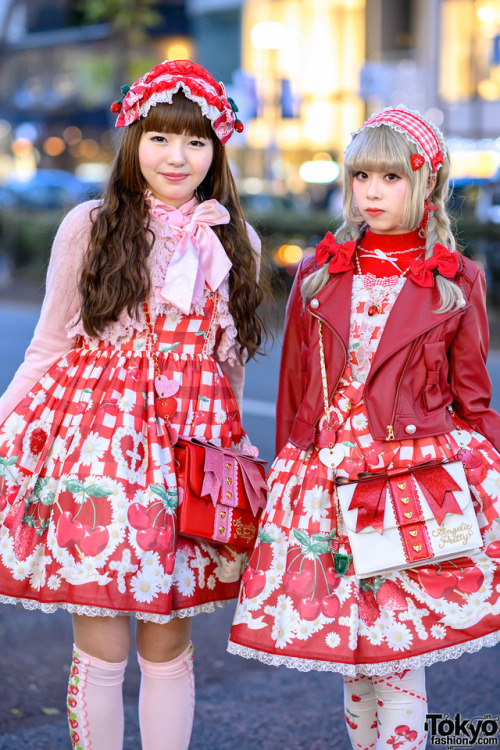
(359, 422)
(283, 629)
(144, 589)
(304, 630)
(332, 640)
(438, 632)
(316, 503)
(171, 321)
(127, 401)
(375, 636)
(11, 427)
(186, 582)
(92, 449)
(211, 582)
(220, 416)
(54, 582)
(398, 636)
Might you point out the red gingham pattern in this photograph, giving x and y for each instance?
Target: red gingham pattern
(419, 130)
(296, 609)
(87, 479)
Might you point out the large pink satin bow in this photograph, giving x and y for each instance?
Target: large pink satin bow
(199, 257)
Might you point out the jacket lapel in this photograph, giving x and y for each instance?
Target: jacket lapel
(335, 304)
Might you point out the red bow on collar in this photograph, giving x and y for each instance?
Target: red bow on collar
(338, 257)
(442, 261)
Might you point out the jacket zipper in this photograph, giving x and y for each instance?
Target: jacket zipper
(390, 427)
(330, 396)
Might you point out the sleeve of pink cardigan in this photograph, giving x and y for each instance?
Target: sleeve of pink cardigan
(236, 373)
(61, 303)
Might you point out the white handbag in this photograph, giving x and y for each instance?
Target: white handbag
(409, 533)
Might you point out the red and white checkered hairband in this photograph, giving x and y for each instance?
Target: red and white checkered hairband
(427, 137)
(165, 80)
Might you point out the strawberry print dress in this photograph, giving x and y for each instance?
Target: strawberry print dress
(88, 492)
(296, 609)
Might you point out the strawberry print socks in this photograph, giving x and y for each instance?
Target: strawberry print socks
(166, 702)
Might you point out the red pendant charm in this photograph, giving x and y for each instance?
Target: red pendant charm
(165, 407)
(374, 310)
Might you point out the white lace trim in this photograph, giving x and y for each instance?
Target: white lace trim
(370, 670)
(80, 609)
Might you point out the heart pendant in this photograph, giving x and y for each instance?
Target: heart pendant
(165, 408)
(471, 459)
(332, 457)
(165, 387)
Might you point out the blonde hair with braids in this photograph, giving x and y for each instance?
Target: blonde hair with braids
(383, 149)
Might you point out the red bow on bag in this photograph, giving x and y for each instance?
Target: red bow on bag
(338, 257)
(442, 261)
(434, 481)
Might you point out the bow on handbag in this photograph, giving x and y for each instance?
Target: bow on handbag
(220, 465)
(434, 481)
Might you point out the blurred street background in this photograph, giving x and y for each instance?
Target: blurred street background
(304, 74)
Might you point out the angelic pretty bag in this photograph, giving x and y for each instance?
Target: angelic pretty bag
(408, 517)
(221, 492)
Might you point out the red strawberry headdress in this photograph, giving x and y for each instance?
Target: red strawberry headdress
(164, 80)
(427, 138)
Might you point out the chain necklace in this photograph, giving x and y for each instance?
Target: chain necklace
(375, 305)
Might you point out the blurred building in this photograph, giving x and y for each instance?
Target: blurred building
(304, 74)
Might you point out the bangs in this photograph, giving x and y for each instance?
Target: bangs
(379, 149)
(182, 116)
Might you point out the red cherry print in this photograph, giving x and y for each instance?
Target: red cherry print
(248, 572)
(402, 729)
(471, 581)
(493, 549)
(332, 578)
(3, 503)
(73, 723)
(71, 702)
(411, 735)
(368, 608)
(169, 564)
(165, 537)
(356, 698)
(309, 610)
(138, 517)
(68, 532)
(300, 583)
(353, 466)
(350, 722)
(37, 440)
(239, 127)
(146, 539)
(94, 541)
(256, 584)
(330, 606)
(436, 584)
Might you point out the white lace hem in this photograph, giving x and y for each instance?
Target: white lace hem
(351, 670)
(81, 609)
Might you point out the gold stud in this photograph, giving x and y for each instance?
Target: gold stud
(402, 486)
(228, 467)
(408, 514)
(229, 495)
(413, 533)
(229, 480)
(221, 529)
(405, 500)
(417, 547)
(223, 515)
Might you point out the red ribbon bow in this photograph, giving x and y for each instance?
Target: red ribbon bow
(434, 481)
(442, 261)
(338, 257)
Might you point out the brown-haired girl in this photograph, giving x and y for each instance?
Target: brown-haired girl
(88, 492)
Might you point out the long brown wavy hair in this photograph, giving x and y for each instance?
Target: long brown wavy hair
(115, 275)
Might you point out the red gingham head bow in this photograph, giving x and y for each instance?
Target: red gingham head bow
(442, 262)
(425, 135)
(338, 257)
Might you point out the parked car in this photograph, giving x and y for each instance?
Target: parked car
(48, 189)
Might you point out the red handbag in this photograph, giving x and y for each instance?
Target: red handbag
(221, 492)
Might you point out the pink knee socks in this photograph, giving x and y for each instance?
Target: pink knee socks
(95, 702)
(166, 702)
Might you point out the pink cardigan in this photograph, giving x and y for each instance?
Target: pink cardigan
(61, 306)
